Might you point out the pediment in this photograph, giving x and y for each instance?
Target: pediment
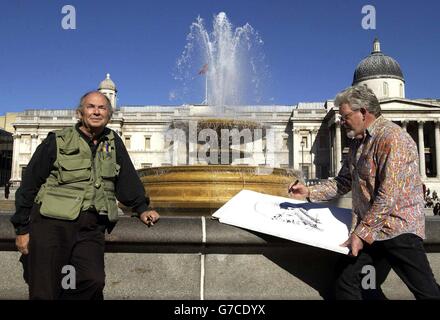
(409, 105)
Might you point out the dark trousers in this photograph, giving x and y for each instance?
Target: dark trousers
(55, 244)
(406, 256)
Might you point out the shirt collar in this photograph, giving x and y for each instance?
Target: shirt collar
(372, 128)
(85, 137)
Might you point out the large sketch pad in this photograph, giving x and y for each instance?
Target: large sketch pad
(308, 223)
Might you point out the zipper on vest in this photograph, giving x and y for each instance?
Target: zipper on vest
(94, 179)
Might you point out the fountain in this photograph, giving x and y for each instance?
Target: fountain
(218, 167)
(231, 61)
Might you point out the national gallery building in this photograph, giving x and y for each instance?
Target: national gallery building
(306, 136)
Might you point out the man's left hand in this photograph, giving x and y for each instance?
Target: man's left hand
(354, 243)
(149, 217)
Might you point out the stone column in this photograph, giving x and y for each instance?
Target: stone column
(15, 169)
(422, 150)
(34, 142)
(313, 133)
(297, 154)
(338, 151)
(437, 148)
(405, 125)
(331, 145)
(293, 146)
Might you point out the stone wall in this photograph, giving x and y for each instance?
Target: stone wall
(188, 258)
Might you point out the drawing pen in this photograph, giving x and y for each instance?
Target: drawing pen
(294, 184)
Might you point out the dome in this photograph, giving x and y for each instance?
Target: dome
(377, 65)
(107, 83)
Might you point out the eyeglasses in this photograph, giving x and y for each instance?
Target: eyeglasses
(345, 118)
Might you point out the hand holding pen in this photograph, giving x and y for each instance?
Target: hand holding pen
(298, 190)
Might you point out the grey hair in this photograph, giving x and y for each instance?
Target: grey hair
(359, 97)
(108, 102)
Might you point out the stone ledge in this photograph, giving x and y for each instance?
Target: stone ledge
(172, 261)
(185, 235)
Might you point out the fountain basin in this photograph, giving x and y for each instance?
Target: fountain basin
(202, 189)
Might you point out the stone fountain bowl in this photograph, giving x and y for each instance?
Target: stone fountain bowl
(202, 189)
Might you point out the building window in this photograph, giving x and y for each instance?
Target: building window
(401, 90)
(147, 143)
(304, 142)
(386, 92)
(23, 172)
(305, 171)
(285, 145)
(25, 145)
(146, 165)
(127, 142)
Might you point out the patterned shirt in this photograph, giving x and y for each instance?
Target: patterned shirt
(382, 171)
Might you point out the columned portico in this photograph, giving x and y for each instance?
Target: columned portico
(422, 150)
(405, 125)
(437, 148)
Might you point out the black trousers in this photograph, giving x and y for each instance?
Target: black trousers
(406, 256)
(66, 258)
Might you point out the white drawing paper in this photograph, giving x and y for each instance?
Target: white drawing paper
(308, 223)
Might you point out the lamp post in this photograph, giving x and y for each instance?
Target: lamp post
(302, 156)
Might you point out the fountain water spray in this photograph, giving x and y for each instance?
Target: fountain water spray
(230, 60)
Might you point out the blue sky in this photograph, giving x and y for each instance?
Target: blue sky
(311, 47)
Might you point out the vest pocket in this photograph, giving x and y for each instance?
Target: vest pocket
(74, 170)
(109, 169)
(69, 151)
(112, 207)
(61, 203)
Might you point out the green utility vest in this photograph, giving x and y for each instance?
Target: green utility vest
(79, 181)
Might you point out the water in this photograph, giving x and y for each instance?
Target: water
(224, 67)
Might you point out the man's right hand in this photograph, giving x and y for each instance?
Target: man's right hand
(298, 191)
(22, 243)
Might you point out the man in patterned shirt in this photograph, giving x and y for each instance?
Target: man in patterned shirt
(382, 172)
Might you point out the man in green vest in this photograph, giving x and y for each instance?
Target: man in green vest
(67, 200)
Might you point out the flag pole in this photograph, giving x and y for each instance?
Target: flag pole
(204, 71)
(206, 88)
